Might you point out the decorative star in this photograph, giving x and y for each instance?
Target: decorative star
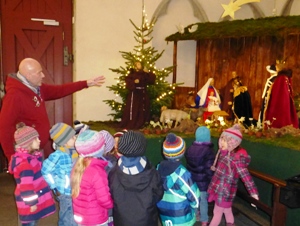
(234, 6)
(230, 9)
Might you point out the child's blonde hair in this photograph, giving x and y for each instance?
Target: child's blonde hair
(78, 170)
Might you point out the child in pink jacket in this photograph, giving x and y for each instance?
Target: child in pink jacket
(32, 194)
(230, 165)
(90, 191)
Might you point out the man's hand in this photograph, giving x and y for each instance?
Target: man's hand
(98, 81)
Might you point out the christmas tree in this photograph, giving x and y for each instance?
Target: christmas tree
(162, 92)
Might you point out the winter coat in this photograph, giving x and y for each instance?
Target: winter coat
(230, 168)
(56, 170)
(31, 187)
(21, 104)
(181, 195)
(199, 158)
(135, 196)
(94, 199)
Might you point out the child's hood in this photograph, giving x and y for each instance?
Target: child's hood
(97, 162)
(167, 167)
(167, 170)
(242, 157)
(138, 182)
(19, 158)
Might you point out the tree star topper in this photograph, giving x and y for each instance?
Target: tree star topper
(234, 6)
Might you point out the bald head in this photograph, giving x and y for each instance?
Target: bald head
(31, 69)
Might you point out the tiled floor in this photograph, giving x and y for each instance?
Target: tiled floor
(9, 217)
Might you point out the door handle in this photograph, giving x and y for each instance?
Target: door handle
(67, 56)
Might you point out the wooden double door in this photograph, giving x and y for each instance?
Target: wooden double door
(40, 29)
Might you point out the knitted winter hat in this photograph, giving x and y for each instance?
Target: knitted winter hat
(25, 135)
(109, 141)
(233, 136)
(78, 126)
(173, 147)
(90, 143)
(61, 133)
(202, 134)
(132, 144)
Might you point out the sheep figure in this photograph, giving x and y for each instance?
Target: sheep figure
(168, 115)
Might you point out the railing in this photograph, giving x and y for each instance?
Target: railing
(277, 211)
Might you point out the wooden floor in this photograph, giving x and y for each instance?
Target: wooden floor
(9, 217)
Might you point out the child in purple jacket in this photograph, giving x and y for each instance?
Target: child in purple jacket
(199, 158)
(230, 165)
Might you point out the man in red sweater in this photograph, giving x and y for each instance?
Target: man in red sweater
(25, 98)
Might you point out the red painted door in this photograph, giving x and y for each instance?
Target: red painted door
(40, 29)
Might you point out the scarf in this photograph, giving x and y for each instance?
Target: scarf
(36, 90)
(26, 151)
(69, 150)
(132, 165)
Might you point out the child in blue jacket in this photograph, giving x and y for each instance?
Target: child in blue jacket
(57, 168)
(181, 194)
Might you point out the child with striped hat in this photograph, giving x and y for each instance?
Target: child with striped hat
(90, 191)
(181, 194)
(135, 185)
(57, 168)
(32, 194)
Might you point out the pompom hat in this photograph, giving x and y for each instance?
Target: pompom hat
(25, 135)
(61, 133)
(90, 143)
(202, 134)
(233, 136)
(132, 144)
(173, 147)
(78, 126)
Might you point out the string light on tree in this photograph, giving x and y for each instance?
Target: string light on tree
(162, 93)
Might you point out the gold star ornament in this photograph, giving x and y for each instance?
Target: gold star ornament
(234, 6)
